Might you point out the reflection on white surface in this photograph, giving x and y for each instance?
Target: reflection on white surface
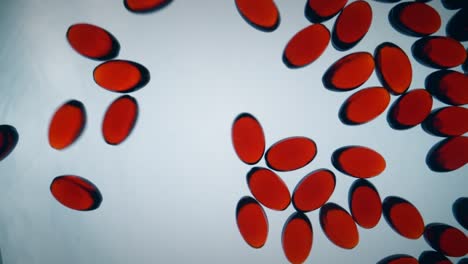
(170, 190)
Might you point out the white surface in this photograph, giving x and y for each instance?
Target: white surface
(170, 190)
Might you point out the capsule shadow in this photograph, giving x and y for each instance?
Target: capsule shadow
(460, 211)
(8, 140)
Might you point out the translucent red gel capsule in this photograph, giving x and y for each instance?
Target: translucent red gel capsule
(393, 68)
(415, 19)
(448, 121)
(92, 41)
(321, 10)
(364, 105)
(433, 257)
(306, 46)
(446, 239)
(252, 222)
(349, 72)
(439, 52)
(119, 120)
(410, 109)
(67, 124)
(144, 6)
(248, 138)
(8, 140)
(399, 259)
(268, 188)
(314, 190)
(365, 203)
(450, 87)
(76, 192)
(448, 155)
(358, 161)
(403, 217)
(297, 238)
(121, 76)
(460, 211)
(457, 27)
(262, 14)
(352, 25)
(291, 153)
(339, 226)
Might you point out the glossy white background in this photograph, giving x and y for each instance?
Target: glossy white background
(170, 190)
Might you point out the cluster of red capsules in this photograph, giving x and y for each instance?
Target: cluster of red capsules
(121, 76)
(394, 70)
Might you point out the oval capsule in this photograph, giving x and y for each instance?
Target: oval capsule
(410, 109)
(433, 257)
(119, 119)
(291, 153)
(306, 46)
(314, 190)
(268, 188)
(399, 259)
(448, 121)
(349, 72)
(460, 211)
(358, 161)
(76, 192)
(252, 222)
(67, 124)
(439, 52)
(450, 87)
(145, 6)
(352, 25)
(364, 106)
(446, 239)
(8, 140)
(297, 238)
(261, 14)
(339, 226)
(393, 68)
(92, 41)
(448, 155)
(248, 138)
(365, 203)
(403, 217)
(321, 10)
(121, 76)
(415, 19)
(457, 27)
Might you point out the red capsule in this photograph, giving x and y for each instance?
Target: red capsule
(448, 121)
(364, 105)
(268, 188)
(439, 52)
(121, 76)
(433, 257)
(306, 46)
(314, 190)
(67, 124)
(321, 10)
(349, 72)
(252, 222)
(403, 217)
(291, 153)
(8, 140)
(446, 239)
(448, 86)
(460, 211)
(415, 19)
(352, 25)
(393, 68)
(119, 120)
(144, 6)
(457, 27)
(76, 192)
(365, 203)
(262, 14)
(248, 138)
(358, 161)
(92, 41)
(448, 155)
(399, 259)
(339, 226)
(297, 238)
(410, 109)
